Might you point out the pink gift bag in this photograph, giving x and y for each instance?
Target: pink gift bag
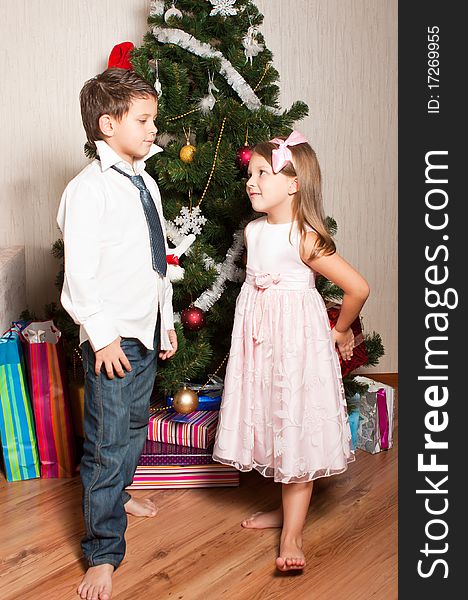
(50, 401)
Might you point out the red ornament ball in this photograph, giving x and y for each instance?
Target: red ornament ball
(243, 156)
(193, 318)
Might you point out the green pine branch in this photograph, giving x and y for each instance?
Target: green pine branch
(190, 361)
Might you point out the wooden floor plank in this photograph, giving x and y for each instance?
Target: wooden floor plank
(195, 548)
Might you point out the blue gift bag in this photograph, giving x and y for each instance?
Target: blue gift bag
(353, 418)
(17, 429)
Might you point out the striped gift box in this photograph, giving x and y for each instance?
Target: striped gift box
(196, 429)
(190, 476)
(160, 453)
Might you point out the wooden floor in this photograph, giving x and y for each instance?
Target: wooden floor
(195, 548)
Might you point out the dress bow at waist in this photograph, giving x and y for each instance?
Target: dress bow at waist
(265, 283)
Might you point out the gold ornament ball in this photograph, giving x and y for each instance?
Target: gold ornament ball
(185, 401)
(187, 153)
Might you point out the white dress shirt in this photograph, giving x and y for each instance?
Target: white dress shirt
(110, 287)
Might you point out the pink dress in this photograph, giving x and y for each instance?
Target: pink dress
(283, 410)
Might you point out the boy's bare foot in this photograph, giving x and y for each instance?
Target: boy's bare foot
(140, 508)
(97, 583)
(264, 520)
(291, 556)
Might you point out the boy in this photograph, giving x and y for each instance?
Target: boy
(117, 290)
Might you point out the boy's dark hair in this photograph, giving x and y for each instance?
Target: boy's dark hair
(110, 93)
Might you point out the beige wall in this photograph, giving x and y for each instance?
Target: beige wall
(339, 56)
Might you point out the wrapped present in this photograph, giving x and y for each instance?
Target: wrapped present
(204, 402)
(17, 431)
(187, 476)
(196, 429)
(375, 430)
(49, 395)
(212, 388)
(160, 453)
(360, 356)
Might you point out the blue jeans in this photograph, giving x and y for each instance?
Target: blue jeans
(115, 428)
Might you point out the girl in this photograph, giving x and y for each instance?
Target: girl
(284, 410)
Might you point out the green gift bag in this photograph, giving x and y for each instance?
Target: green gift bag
(17, 431)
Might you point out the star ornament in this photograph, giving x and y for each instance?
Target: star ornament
(225, 8)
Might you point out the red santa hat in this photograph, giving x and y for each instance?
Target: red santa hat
(119, 56)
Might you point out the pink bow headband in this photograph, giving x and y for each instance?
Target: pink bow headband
(283, 154)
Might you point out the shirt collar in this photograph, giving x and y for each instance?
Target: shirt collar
(109, 157)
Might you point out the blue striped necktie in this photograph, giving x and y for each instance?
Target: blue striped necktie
(158, 247)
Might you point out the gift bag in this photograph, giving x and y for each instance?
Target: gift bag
(49, 394)
(17, 432)
(360, 356)
(375, 429)
(353, 417)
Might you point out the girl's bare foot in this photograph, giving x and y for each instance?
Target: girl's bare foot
(140, 508)
(97, 583)
(264, 520)
(291, 556)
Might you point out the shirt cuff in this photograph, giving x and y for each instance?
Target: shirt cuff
(100, 331)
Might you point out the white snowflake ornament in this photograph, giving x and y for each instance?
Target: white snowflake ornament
(190, 220)
(225, 8)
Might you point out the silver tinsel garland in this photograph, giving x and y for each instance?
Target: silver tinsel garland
(227, 271)
(234, 78)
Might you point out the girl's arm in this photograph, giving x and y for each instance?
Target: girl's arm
(353, 284)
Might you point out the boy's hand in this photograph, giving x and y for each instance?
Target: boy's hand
(113, 358)
(345, 342)
(173, 339)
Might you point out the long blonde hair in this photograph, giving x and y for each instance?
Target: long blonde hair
(307, 203)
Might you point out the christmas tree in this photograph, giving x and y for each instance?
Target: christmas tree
(218, 96)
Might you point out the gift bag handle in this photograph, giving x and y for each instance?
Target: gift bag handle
(17, 327)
